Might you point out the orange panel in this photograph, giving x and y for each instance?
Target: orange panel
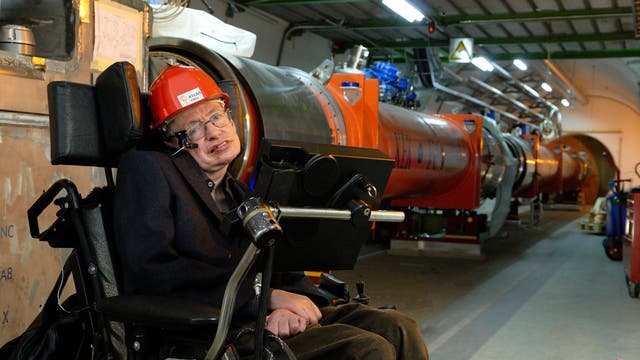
(361, 118)
(437, 166)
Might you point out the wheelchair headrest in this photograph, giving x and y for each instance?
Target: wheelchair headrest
(93, 125)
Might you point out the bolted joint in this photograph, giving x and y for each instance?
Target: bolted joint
(258, 220)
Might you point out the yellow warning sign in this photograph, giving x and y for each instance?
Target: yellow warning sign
(461, 50)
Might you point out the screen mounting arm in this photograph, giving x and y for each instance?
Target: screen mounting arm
(261, 223)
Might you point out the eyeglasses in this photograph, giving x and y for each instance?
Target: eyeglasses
(196, 130)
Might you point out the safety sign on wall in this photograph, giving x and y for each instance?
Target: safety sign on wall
(461, 50)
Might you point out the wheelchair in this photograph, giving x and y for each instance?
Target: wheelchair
(92, 126)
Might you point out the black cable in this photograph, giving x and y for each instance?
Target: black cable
(283, 345)
(332, 202)
(264, 301)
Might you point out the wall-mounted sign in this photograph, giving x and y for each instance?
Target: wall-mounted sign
(461, 50)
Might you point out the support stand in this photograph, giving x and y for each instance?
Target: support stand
(264, 302)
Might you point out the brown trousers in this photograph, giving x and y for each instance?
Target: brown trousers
(355, 331)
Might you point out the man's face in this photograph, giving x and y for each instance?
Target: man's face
(208, 124)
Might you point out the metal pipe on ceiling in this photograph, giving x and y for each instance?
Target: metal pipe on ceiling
(525, 89)
(575, 93)
(538, 16)
(552, 117)
(501, 95)
(432, 59)
(325, 25)
(265, 3)
(290, 30)
(543, 39)
(582, 54)
(560, 90)
(557, 55)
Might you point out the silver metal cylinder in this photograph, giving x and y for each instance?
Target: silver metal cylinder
(387, 216)
(523, 153)
(334, 214)
(311, 213)
(492, 164)
(357, 58)
(18, 39)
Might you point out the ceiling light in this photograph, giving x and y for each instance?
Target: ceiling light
(520, 64)
(404, 9)
(565, 102)
(482, 63)
(546, 87)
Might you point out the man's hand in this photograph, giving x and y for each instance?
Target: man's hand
(299, 305)
(285, 323)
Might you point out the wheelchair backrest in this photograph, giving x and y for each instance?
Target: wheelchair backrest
(91, 126)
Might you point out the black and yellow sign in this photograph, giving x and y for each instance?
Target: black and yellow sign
(461, 50)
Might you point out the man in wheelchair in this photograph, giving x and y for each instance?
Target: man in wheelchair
(173, 257)
(176, 247)
(179, 195)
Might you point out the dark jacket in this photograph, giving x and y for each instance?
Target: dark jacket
(167, 232)
(167, 229)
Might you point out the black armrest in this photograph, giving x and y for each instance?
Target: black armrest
(159, 311)
(61, 232)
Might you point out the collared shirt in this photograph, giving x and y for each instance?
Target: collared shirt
(225, 194)
(222, 195)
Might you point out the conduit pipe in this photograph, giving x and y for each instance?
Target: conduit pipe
(438, 86)
(575, 93)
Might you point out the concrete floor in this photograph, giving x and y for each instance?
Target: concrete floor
(545, 292)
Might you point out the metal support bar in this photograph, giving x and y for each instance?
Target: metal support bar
(581, 54)
(264, 3)
(475, 19)
(431, 57)
(543, 39)
(264, 237)
(334, 214)
(538, 16)
(228, 301)
(566, 82)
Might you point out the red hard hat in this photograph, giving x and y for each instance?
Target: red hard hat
(179, 87)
